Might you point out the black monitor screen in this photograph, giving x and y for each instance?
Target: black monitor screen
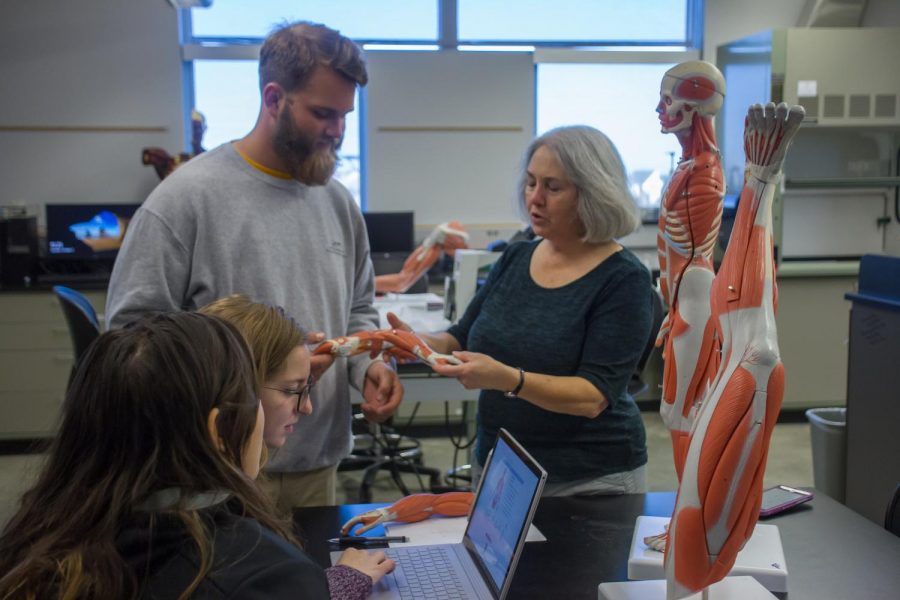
(86, 231)
(390, 231)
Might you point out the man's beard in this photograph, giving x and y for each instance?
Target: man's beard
(297, 149)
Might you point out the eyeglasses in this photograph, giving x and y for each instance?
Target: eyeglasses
(301, 393)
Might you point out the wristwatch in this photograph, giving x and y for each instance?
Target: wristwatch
(515, 393)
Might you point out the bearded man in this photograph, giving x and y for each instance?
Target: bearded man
(262, 216)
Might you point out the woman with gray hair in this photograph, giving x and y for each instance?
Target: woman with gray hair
(553, 336)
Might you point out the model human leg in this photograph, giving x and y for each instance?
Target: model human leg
(721, 484)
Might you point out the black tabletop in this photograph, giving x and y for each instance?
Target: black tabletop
(831, 551)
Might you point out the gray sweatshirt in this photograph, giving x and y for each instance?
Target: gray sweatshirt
(218, 226)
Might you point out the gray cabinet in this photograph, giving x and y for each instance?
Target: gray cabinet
(812, 321)
(35, 361)
(873, 393)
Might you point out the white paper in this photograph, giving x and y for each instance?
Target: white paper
(442, 530)
(414, 310)
(806, 88)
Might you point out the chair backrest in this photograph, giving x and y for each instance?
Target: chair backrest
(84, 326)
(892, 516)
(636, 385)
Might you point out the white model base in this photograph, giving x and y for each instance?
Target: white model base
(762, 556)
(731, 588)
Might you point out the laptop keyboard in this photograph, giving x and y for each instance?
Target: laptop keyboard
(425, 572)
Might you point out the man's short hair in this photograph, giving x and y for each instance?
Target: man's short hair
(291, 53)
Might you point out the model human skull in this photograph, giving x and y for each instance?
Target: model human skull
(688, 88)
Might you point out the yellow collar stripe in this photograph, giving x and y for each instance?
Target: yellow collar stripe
(263, 168)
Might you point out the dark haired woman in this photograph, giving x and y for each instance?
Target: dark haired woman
(148, 487)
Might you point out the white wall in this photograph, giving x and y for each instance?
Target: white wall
(109, 63)
(886, 13)
(727, 20)
(881, 13)
(445, 132)
(86, 64)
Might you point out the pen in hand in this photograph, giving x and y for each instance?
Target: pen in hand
(353, 540)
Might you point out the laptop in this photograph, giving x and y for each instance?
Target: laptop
(482, 566)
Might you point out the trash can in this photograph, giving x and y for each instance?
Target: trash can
(828, 434)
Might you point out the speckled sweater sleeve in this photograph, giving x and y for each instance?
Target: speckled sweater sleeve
(346, 583)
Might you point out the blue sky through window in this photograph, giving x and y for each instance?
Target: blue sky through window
(618, 99)
(357, 19)
(565, 20)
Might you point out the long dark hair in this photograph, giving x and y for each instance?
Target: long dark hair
(134, 422)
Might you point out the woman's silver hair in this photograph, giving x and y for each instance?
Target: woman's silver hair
(605, 207)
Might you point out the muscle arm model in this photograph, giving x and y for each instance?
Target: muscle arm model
(723, 393)
(412, 508)
(398, 343)
(445, 238)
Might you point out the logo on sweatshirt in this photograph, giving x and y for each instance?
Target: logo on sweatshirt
(336, 247)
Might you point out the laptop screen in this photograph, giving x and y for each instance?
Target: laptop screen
(506, 497)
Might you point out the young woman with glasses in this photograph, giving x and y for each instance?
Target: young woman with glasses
(148, 487)
(281, 361)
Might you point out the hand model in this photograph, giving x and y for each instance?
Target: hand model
(473, 370)
(413, 508)
(405, 345)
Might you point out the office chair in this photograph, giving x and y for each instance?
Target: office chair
(892, 515)
(84, 326)
(382, 447)
(637, 385)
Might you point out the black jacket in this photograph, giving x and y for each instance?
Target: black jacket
(249, 561)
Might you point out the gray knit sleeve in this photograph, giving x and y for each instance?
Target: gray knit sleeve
(346, 583)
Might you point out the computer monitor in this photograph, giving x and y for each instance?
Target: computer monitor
(86, 231)
(390, 231)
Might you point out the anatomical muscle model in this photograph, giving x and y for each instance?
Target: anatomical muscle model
(724, 380)
(404, 345)
(412, 508)
(691, 94)
(163, 162)
(446, 238)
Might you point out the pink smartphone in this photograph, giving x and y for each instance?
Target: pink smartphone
(780, 498)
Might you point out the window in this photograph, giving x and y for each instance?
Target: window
(619, 100)
(574, 22)
(384, 20)
(227, 93)
(599, 62)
